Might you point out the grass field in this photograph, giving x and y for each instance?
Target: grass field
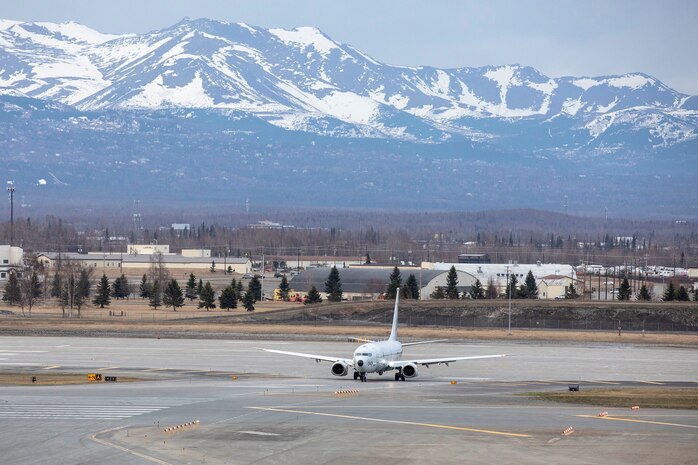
(135, 318)
(52, 379)
(678, 398)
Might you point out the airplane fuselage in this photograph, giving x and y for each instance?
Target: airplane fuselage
(374, 357)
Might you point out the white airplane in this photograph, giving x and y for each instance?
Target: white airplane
(381, 356)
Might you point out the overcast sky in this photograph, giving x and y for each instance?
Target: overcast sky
(558, 37)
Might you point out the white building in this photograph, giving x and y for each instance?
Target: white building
(142, 262)
(148, 249)
(11, 258)
(497, 272)
(201, 253)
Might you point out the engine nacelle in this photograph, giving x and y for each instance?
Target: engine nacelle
(410, 370)
(340, 369)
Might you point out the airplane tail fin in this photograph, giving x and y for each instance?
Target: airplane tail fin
(393, 331)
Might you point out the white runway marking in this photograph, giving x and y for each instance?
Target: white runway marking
(259, 433)
(75, 412)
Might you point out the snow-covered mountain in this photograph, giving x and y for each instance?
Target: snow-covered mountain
(301, 79)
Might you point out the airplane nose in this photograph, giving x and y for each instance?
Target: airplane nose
(360, 363)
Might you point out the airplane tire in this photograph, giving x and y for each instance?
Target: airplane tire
(402, 377)
(356, 376)
(397, 376)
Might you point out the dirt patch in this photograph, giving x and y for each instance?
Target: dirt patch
(675, 398)
(52, 379)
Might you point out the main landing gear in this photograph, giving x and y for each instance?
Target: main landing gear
(361, 376)
(399, 376)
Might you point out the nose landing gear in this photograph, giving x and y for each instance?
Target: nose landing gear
(360, 376)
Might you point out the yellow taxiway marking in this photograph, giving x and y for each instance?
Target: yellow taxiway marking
(51, 367)
(106, 368)
(633, 420)
(398, 422)
(601, 382)
(650, 382)
(157, 369)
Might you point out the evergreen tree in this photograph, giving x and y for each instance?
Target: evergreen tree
(12, 295)
(313, 297)
(477, 292)
(284, 289)
(452, 284)
(333, 286)
(83, 288)
(394, 285)
(173, 296)
(644, 294)
(191, 291)
(56, 285)
(240, 290)
(248, 300)
(116, 291)
(368, 259)
(571, 292)
(155, 295)
(256, 287)
(145, 288)
(669, 293)
(682, 294)
(199, 287)
(531, 286)
(207, 298)
(228, 299)
(491, 292)
(695, 295)
(438, 293)
(521, 292)
(125, 287)
(412, 287)
(624, 290)
(102, 296)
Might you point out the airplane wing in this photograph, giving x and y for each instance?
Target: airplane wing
(317, 358)
(438, 361)
(423, 342)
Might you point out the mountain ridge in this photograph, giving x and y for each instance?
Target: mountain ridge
(301, 79)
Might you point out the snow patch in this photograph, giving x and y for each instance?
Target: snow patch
(632, 81)
(79, 32)
(586, 83)
(571, 106)
(306, 36)
(156, 94)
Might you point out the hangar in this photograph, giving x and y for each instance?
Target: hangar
(366, 283)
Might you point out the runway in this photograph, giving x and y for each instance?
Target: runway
(287, 410)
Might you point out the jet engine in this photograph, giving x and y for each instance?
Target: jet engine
(340, 369)
(410, 370)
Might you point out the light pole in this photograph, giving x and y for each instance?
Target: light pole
(509, 286)
(11, 190)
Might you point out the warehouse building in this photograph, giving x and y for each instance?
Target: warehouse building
(365, 283)
(142, 261)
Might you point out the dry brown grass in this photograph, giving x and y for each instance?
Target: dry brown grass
(678, 398)
(141, 320)
(189, 328)
(52, 379)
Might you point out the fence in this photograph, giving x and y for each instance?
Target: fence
(427, 320)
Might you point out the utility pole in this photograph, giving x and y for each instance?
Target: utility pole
(509, 286)
(11, 190)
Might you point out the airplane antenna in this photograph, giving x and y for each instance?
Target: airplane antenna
(393, 331)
